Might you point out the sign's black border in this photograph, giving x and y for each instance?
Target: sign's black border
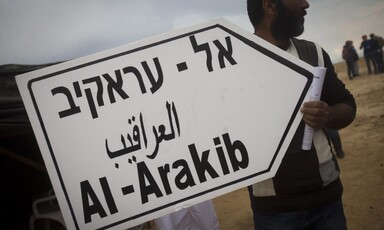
(248, 42)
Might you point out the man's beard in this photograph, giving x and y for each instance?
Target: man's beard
(287, 24)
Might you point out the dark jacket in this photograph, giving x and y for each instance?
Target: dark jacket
(306, 179)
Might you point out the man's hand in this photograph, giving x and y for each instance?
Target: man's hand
(316, 113)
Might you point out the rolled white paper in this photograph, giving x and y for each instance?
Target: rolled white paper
(315, 94)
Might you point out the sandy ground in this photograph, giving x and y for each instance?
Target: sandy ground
(362, 169)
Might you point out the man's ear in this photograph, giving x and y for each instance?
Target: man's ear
(269, 7)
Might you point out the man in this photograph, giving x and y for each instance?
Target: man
(349, 54)
(377, 43)
(306, 190)
(369, 54)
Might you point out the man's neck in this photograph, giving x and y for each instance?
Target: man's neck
(266, 35)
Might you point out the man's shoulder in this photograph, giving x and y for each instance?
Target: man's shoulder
(303, 43)
(307, 51)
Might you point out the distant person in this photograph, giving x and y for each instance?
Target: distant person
(349, 54)
(369, 54)
(378, 43)
(336, 142)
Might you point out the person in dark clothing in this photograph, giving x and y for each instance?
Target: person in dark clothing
(369, 54)
(306, 191)
(349, 54)
(378, 50)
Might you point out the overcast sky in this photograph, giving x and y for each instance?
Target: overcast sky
(43, 31)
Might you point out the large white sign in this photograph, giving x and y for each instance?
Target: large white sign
(136, 132)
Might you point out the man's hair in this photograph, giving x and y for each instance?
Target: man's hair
(255, 11)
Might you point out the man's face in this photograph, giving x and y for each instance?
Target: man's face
(289, 21)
